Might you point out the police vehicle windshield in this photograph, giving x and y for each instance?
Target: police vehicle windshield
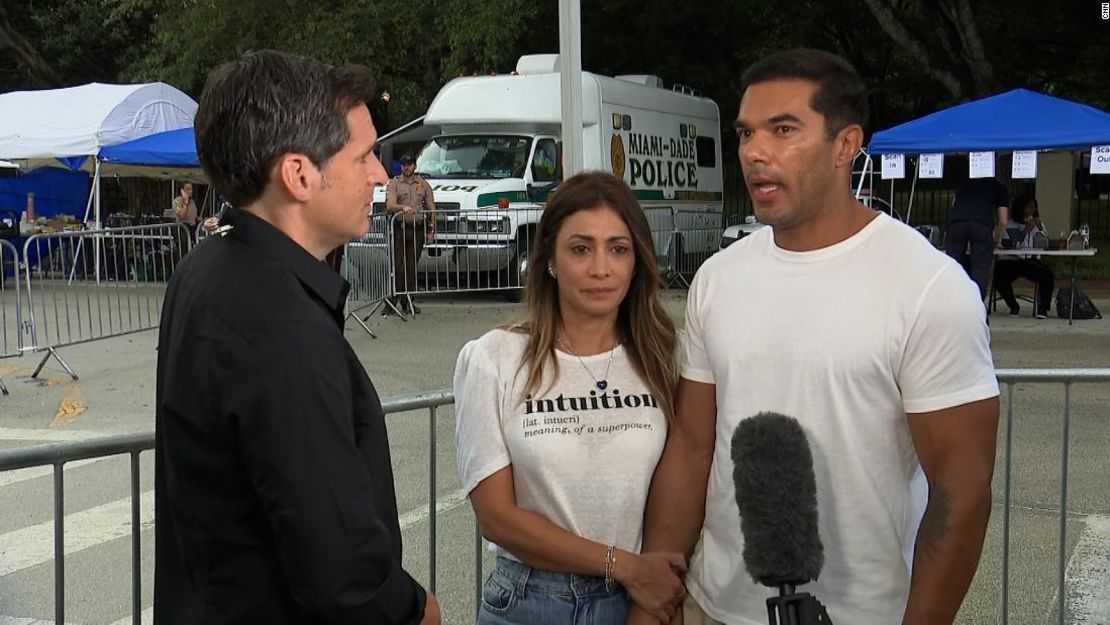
(475, 156)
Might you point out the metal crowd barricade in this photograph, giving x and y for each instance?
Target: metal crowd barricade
(90, 285)
(691, 238)
(11, 306)
(700, 233)
(667, 241)
(1066, 377)
(462, 251)
(57, 455)
(487, 249)
(367, 266)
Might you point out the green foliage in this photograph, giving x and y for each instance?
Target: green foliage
(56, 42)
(415, 46)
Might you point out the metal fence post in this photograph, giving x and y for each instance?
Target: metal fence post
(1062, 591)
(432, 498)
(136, 544)
(59, 544)
(1008, 472)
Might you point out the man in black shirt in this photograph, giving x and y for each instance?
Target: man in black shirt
(977, 220)
(274, 492)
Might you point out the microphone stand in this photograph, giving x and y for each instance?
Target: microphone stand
(795, 608)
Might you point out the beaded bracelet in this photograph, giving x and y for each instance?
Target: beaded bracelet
(610, 562)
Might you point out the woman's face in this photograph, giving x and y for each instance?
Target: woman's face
(594, 262)
(187, 189)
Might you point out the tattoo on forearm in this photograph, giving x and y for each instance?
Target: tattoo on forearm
(934, 524)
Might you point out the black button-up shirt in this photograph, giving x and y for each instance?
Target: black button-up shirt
(274, 491)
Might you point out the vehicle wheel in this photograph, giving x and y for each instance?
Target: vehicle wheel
(517, 273)
(677, 254)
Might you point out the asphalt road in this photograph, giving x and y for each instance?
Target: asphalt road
(115, 395)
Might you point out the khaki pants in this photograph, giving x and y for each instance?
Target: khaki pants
(408, 243)
(692, 614)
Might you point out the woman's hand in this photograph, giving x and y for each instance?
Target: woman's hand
(653, 581)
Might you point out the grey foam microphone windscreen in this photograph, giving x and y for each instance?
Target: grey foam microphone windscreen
(777, 495)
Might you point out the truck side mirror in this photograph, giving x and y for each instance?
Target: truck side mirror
(539, 192)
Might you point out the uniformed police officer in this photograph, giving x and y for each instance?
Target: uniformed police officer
(410, 198)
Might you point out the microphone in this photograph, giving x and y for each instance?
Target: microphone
(776, 493)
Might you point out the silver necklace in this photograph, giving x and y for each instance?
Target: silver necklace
(601, 384)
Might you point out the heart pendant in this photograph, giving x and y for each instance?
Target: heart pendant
(602, 385)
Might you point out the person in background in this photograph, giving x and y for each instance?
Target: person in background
(184, 206)
(1025, 230)
(976, 225)
(410, 198)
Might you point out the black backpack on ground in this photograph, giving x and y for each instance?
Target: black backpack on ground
(1084, 307)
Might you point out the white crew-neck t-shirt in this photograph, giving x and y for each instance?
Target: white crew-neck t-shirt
(847, 339)
(582, 457)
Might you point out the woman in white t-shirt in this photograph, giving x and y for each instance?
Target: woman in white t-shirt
(561, 420)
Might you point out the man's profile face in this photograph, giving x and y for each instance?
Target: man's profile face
(785, 154)
(343, 199)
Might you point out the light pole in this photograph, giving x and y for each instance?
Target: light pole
(570, 70)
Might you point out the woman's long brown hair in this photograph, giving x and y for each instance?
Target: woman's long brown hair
(646, 329)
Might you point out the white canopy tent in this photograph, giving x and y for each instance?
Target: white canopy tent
(68, 127)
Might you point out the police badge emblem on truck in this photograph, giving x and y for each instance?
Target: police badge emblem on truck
(616, 155)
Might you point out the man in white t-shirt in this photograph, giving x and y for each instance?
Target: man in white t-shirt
(850, 322)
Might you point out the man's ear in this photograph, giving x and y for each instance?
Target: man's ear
(847, 145)
(296, 174)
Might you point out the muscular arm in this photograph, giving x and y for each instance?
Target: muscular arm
(957, 448)
(676, 502)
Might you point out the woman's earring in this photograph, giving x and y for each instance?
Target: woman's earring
(551, 270)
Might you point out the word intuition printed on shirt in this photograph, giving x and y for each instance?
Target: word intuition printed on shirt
(552, 422)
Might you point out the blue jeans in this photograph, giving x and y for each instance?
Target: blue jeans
(517, 594)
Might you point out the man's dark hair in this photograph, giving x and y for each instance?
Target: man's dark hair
(267, 104)
(840, 97)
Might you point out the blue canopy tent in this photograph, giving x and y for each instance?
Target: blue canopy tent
(169, 154)
(1015, 120)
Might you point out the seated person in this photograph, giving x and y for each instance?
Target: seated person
(1025, 230)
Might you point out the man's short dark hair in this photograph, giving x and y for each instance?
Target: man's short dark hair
(267, 104)
(841, 96)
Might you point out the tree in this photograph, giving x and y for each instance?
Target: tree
(978, 51)
(22, 62)
(58, 43)
(414, 46)
(944, 41)
(915, 56)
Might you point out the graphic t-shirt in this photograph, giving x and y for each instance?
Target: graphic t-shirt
(582, 456)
